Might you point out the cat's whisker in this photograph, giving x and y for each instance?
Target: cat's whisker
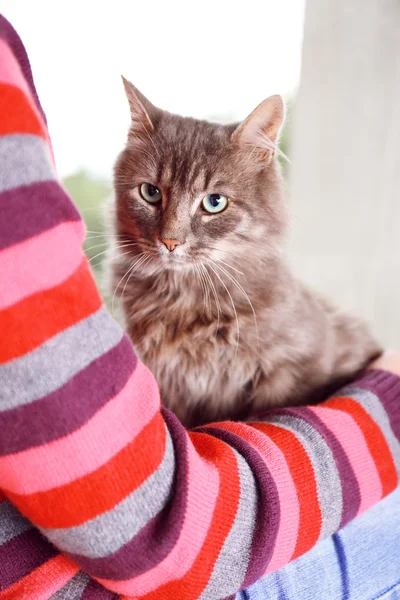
(267, 143)
(90, 248)
(253, 154)
(121, 254)
(119, 244)
(123, 277)
(203, 283)
(92, 237)
(103, 234)
(124, 253)
(233, 306)
(210, 285)
(117, 247)
(195, 270)
(229, 252)
(99, 254)
(228, 265)
(138, 264)
(107, 250)
(243, 291)
(214, 292)
(207, 293)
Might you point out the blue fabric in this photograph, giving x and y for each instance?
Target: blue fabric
(361, 562)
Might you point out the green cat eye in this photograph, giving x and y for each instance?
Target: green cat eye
(214, 203)
(150, 193)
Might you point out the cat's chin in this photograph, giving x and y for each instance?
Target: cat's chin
(174, 261)
(177, 264)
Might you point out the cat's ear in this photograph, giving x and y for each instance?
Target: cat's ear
(144, 115)
(261, 128)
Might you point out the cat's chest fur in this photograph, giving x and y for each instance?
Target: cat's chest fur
(210, 361)
(200, 362)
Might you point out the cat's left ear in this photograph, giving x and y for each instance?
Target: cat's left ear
(144, 115)
(261, 128)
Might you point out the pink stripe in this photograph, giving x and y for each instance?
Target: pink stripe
(349, 435)
(203, 486)
(52, 256)
(44, 467)
(11, 74)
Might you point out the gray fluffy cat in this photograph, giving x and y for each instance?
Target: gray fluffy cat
(208, 300)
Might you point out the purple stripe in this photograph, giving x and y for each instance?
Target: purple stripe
(156, 540)
(69, 407)
(21, 555)
(386, 386)
(350, 488)
(268, 517)
(95, 591)
(29, 210)
(11, 37)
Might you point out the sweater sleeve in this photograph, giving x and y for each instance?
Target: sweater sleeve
(88, 456)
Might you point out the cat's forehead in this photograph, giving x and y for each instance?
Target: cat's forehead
(190, 153)
(184, 136)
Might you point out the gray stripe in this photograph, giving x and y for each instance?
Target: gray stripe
(231, 566)
(73, 589)
(108, 532)
(329, 487)
(50, 366)
(376, 411)
(24, 159)
(12, 523)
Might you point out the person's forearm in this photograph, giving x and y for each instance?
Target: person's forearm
(86, 454)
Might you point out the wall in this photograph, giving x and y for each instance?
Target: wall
(345, 186)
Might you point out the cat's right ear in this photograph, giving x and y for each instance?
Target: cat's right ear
(260, 130)
(143, 114)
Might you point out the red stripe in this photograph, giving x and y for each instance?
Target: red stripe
(24, 327)
(196, 579)
(98, 492)
(19, 115)
(374, 438)
(302, 472)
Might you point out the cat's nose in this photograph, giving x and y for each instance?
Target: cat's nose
(170, 244)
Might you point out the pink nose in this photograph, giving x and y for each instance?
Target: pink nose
(170, 244)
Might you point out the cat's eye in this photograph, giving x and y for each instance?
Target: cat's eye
(214, 203)
(150, 193)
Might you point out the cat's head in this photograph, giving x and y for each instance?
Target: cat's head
(190, 191)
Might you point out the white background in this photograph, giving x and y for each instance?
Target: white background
(206, 59)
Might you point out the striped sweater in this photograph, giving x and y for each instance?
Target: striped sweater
(103, 493)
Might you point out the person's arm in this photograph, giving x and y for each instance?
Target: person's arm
(86, 453)
(389, 361)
